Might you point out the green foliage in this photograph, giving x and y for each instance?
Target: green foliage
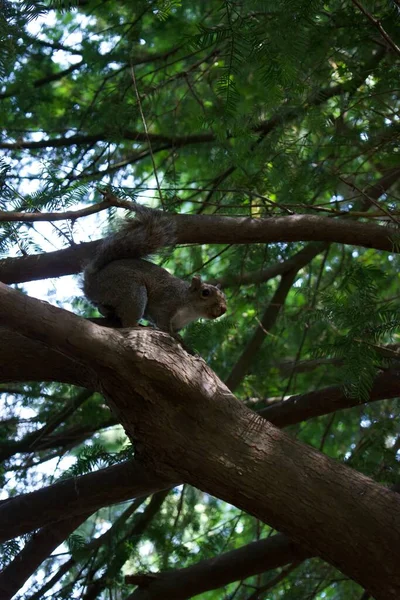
(166, 7)
(253, 108)
(75, 543)
(360, 324)
(8, 551)
(96, 456)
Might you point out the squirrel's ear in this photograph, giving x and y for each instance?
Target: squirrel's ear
(218, 286)
(196, 283)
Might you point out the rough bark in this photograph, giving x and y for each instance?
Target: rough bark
(188, 426)
(39, 362)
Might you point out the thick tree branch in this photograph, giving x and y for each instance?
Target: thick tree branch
(24, 359)
(80, 495)
(213, 573)
(193, 228)
(207, 229)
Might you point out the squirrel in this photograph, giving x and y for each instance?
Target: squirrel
(126, 288)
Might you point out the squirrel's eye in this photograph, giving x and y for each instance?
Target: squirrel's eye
(205, 293)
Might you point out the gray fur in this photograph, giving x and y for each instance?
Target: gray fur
(123, 285)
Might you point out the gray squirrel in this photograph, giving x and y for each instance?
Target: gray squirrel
(125, 288)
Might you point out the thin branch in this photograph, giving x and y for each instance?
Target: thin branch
(371, 200)
(281, 117)
(72, 215)
(68, 438)
(254, 277)
(48, 79)
(146, 132)
(271, 314)
(35, 551)
(378, 25)
(273, 582)
(139, 526)
(89, 548)
(135, 136)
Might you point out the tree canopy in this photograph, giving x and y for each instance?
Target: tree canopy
(264, 463)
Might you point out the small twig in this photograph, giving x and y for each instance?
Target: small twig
(53, 216)
(370, 199)
(378, 25)
(113, 200)
(146, 132)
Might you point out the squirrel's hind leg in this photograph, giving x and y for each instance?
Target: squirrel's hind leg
(132, 306)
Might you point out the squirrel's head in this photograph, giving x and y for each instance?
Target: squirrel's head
(211, 301)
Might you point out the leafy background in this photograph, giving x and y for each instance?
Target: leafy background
(250, 108)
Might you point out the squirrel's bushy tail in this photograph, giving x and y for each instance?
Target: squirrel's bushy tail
(137, 238)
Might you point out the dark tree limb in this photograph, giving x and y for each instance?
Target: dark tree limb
(80, 495)
(236, 230)
(17, 363)
(176, 410)
(31, 441)
(39, 363)
(302, 258)
(213, 573)
(327, 400)
(39, 547)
